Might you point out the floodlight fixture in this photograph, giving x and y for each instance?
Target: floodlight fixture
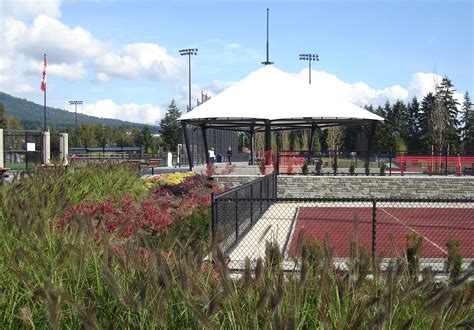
(309, 57)
(188, 52)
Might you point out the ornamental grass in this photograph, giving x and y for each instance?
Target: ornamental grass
(55, 272)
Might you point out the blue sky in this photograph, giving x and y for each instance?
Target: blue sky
(121, 57)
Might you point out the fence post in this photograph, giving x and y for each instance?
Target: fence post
(390, 159)
(278, 162)
(236, 218)
(275, 180)
(267, 183)
(374, 228)
(446, 165)
(63, 148)
(260, 197)
(26, 150)
(46, 148)
(213, 215)
(251, 204)
(2, 164)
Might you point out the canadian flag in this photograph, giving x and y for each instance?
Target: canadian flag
(43, 82)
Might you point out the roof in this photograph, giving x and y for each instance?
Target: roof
(271, 94)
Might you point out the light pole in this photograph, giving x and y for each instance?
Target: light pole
(189, 52)
(309, 58)
(75, 105)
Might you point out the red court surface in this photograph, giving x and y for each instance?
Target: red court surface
(341, 224)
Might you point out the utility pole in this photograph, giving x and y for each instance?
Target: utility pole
(189, 52)
(309, 58)
(75, 105)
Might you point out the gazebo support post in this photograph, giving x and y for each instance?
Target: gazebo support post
(252, 136)
(310, 142)
(204, 141)
(188, 147)
(268, 142)
(369, 146)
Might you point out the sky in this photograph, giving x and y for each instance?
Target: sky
(122, 57)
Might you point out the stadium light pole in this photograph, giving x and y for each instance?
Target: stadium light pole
(189, 52)
(309, 58)
(75, 105)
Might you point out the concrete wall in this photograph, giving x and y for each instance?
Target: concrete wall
(362, 186)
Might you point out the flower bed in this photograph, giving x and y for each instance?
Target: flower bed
(177, 206)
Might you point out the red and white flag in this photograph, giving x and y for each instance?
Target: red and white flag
(43, 82)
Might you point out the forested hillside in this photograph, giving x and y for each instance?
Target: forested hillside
(31, 115)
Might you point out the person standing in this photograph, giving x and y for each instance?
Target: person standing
(229, 155)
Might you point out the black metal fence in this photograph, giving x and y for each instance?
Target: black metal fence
(22, 149)
(218, 140)
(235, 212)
(362, 162)
(385, 228)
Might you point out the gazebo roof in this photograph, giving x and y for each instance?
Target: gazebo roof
(269, 94)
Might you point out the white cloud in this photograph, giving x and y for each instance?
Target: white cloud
(362, 94)
(140, 60)
(422, 83)
(358, 93)
(62, 43)
(138, 113)
(14, 85)
(212, 89)
(31, 8)
(75, 71)
(101, 78)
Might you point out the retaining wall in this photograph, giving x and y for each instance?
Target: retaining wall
(362, 186)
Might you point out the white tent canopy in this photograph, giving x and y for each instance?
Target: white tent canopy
(271, 95)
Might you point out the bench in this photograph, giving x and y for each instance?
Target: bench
(135, 163)
(152, 163)
(468, 171)
(2, 173)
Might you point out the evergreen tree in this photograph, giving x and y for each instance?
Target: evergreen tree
(293, 140)
(316, 141)
(448, 116)
(425, 119)
(396, 117)
(2, 111)
(383, 135)
(146, 139)
(390, 131)
(412, 115)
(171, 128)
(467, 122)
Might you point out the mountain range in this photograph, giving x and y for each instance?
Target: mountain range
(31, 115)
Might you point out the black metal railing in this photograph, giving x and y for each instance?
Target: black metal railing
(235, 212)
(386, 228)
(362, 162)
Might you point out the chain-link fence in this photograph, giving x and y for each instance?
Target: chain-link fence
(426, 229)
(236, 211)
(22, 149)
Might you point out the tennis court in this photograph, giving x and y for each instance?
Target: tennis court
(436, 225)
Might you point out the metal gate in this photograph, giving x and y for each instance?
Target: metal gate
(22, 149)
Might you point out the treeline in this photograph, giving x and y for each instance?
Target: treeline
(94, 135)
(435, 124)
